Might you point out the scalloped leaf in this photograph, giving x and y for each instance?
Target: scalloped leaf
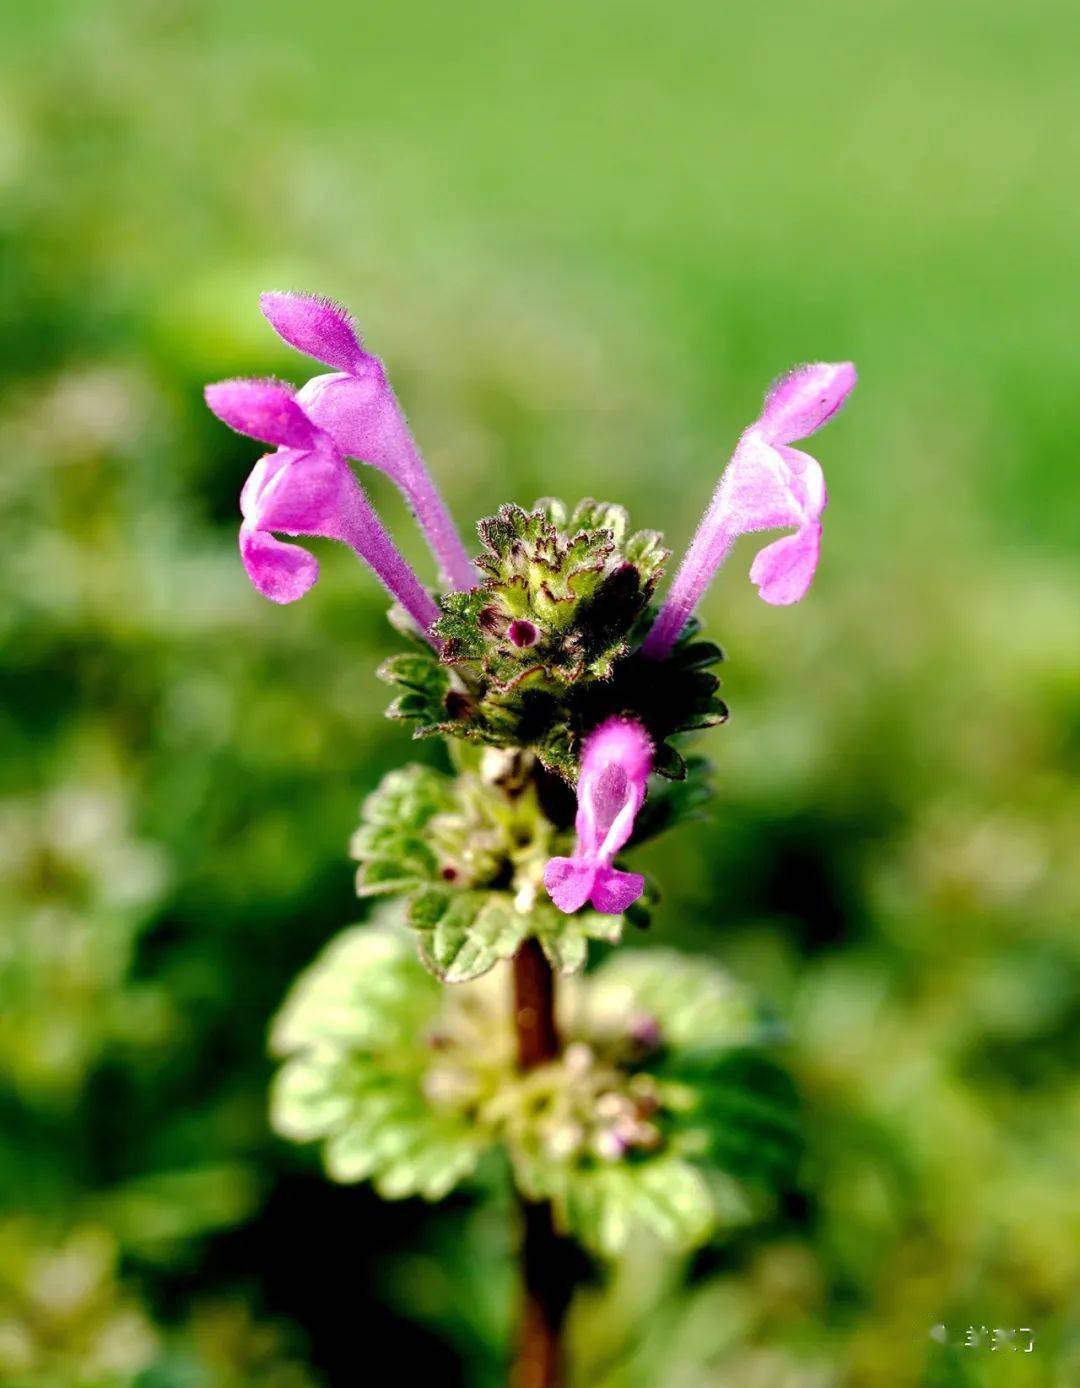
(565, 939)
(464, 934)
(696, 1004)
(351, 1030)
(604, 1204)
(395, 1077)
(744, 1119)
(427, 690)
(391, 844)
(363, 991)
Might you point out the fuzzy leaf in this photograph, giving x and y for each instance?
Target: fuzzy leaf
(534, 648)
(364, 990)
(602, 1204)
(352, 1033)
(565, 939)
(390, 844)
(426, 685)
(695, 1004)
(464, 934)
(744, 1118)
(658, 1116)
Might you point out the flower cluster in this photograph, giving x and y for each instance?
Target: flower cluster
(548, 644)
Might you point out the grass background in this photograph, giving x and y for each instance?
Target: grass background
(584, 238)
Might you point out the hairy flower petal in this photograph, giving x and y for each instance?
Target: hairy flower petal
(357, 407)
(315, 326)
(312, 493)
(569, 882)
(615, 763)
(305, 487)
(362, 415)
(280, 572)
(266, 410)
(766, 485)
(804, 399)
(784, 570)
(614, 891)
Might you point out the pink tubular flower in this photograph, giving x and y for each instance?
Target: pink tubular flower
(305, 487)
(356, 406)
(767, 484)
(615, 764)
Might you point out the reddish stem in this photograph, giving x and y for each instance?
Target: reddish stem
(546, 1258)
(534, 1006)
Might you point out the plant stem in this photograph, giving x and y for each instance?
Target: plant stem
(547, 1260)
(534, 1006)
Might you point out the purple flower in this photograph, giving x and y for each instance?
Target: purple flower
(615, 764)
(305, 487)
(356, 405)
(766, 485)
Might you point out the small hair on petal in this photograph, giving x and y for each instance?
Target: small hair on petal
(281, 572)
(767, 485)
(318, 327)
(804, 399)
(623, 741)
(266, 410)
(616, 759)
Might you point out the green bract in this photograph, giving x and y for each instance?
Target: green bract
(653, 1115)
(545, 647)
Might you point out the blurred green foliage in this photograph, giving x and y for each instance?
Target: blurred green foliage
(584, 238)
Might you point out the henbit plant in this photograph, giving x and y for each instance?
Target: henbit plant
(640, 1098)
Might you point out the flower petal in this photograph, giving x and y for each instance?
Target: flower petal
(317, 327)
(766, 485)
(613, 891)
(314, 493)
(803, 400)
(784, 570)
(279, 571)
(616, 759)
(262, 409)
(362, 415)
(569, 882)
(755, 491)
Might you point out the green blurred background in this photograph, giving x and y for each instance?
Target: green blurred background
(584, 237)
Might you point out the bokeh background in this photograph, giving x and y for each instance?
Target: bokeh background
(584, 237)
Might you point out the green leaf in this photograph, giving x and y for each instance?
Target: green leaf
(464, 934)
(695, 1003)
(535, 649)
(363, 991)
(565, 939)
(460, 625)
(353, 1033)
(390, 844)
(646, 551)
(677, 1127)
(744, 1118)
(426, 686)
(405, 1147)
(604, 1204)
